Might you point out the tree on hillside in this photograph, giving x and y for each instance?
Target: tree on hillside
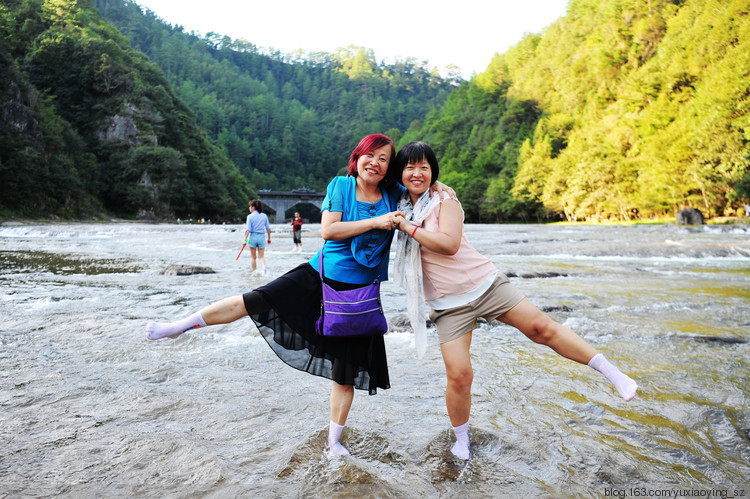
(91, 107)
(620, 109)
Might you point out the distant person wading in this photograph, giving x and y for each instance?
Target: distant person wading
(297, 232)
(255, 234)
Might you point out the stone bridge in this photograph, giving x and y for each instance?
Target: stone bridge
(278, 202)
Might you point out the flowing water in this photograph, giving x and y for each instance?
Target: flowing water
(90, 408)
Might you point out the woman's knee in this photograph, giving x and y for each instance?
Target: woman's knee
(460, 376)
(338, 389)
(542, 330)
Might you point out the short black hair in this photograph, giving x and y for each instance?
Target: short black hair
(414, 152)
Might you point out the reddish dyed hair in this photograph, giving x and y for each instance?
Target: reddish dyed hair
(369, 144)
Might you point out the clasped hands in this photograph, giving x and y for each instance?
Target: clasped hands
(397, 219)
(391, 220)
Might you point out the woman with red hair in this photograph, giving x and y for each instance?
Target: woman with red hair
(358, 217)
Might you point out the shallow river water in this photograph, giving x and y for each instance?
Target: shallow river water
(90, 408)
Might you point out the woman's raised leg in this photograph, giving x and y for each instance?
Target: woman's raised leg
(221, 312)
(540, 328)
(224, 311)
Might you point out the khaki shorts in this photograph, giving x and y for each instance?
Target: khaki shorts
(453, 323)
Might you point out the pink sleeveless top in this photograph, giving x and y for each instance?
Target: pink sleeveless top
(452, 274)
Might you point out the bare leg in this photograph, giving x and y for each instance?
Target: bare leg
(458, 392)
(460, 376)
(222, 312)
(539, 328)
(262, 258)
(252, 258)
(341, 401)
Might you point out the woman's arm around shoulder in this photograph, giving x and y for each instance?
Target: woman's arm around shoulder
(450, 229)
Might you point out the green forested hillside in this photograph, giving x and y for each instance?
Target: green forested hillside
(620, 109)
(286, 120)
(178, 125)
(87, 123)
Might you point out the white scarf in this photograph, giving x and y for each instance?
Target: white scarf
(408, 263)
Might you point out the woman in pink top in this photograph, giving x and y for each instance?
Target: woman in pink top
(434, 257)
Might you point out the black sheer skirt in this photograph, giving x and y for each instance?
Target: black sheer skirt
(285, 311)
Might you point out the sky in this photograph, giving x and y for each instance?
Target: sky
(465, 33)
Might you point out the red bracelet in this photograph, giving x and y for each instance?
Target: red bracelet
(414, 232)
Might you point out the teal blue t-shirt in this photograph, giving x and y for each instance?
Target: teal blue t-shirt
(363, 258)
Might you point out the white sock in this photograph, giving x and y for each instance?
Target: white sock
(158, 330)
(461, 448)
(624, 384)
(334, 433)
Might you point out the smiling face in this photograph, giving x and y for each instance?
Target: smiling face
(372, 167)
(418, 168)
(417, 177)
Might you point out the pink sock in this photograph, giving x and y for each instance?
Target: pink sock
(624, 384)
(158, 330)
(461, 448)
(334, 434)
